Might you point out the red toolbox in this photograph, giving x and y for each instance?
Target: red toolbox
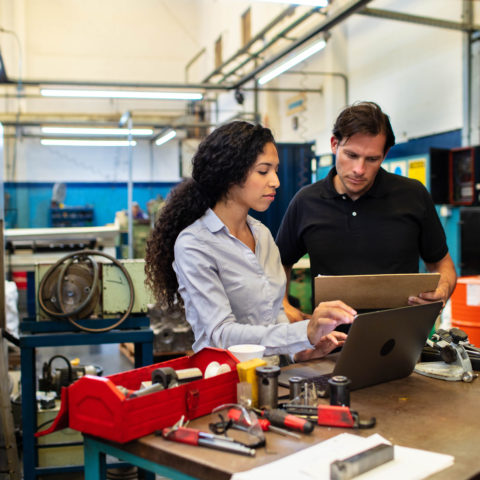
(94, 405)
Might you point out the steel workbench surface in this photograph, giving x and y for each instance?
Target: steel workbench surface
(415, 411)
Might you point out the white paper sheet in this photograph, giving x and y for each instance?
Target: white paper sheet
(313, 463)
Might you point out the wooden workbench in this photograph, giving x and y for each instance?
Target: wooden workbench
(416, 411)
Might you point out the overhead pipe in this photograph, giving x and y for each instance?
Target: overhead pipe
(427, 21)
(331, 74)
(467, 11)
(337, 17)
(192, 61)
(76, 83)
(259, 36)
(274, 40)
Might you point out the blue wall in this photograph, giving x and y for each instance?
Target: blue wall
(28, 203)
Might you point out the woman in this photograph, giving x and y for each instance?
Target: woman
(225, 264)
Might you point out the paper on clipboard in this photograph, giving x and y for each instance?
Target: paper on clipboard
(374, 291)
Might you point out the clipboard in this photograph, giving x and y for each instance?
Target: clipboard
(374, 291)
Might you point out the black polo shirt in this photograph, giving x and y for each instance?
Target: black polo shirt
(386, 230)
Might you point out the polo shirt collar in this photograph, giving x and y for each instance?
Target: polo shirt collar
(378, 189)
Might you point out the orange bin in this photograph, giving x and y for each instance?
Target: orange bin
(465, 303)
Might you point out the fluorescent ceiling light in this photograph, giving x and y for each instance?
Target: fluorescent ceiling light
(143, 95)
(316, 47)
(86, 143)
(313, 3)
(165, 138)
(95, 131)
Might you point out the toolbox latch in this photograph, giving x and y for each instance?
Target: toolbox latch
(192, 400)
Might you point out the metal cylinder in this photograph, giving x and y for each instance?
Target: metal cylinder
(295, 384)
(339, 390)
(267, 381)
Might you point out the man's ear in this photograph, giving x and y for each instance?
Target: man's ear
(334, 144)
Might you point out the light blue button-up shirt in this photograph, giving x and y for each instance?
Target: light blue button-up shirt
(231, 294)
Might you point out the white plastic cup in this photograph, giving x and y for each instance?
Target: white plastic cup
(247, 351)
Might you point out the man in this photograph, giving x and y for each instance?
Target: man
(361, 219)
(137, 212)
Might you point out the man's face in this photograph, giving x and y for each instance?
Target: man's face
(358, 159)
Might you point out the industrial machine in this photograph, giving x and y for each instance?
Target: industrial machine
(52, 380)
(90, 284)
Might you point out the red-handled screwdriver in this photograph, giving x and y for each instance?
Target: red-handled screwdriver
(235, 414)
(280, 418)
(193, 436)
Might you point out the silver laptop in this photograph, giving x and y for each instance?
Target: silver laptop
(381, 346)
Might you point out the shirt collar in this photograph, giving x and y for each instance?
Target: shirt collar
(378, 189)
(214, 224)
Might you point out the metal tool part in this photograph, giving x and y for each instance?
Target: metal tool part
(295, 384)
(166, 377)
(267, 380)
(339, 390)
(155, 387)
(283, 431)
(454, 350)
(361, 462)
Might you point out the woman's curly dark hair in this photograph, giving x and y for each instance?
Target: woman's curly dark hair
(223, 159)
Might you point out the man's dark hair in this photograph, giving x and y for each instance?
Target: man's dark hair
(366, 118)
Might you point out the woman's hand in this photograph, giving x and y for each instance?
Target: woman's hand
(324, 347)
(326, 317)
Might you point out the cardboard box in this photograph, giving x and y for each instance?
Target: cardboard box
(94, 405)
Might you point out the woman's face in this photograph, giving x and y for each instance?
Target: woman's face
(258, 191)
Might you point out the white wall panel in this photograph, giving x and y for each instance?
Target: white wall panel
(40, 163)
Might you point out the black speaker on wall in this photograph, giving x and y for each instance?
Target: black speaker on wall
(439, 175)
(470, 241)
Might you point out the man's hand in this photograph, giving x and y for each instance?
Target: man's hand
(324, 347)
(440, 294)
(326, 317)
(446, 285)
(294, 314)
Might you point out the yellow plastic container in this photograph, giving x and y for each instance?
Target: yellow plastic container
(246, 373)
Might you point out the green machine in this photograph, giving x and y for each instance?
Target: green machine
(91, 284)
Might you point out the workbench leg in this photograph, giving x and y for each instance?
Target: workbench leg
(94, 461)
(143, 354)
(29, 412)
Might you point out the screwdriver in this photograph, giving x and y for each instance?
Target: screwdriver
(235, 414)
(280, 418)
(193, 436)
